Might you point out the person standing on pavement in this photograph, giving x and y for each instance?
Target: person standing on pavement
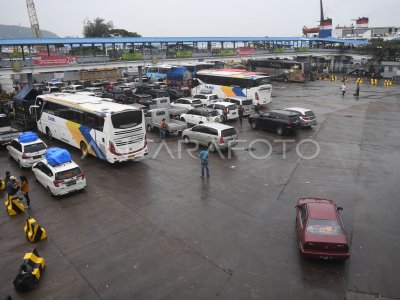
(343, 88)
(12, 186)
(204, 162)
(357, 93)
(240, 111)
(25, 190)
(225, 114)
(258, 108)
(7, 178)
(163, 127)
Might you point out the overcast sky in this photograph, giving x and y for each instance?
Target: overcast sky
(194, 18)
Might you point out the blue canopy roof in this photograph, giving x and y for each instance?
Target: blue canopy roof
(141, 40)
(178, 74)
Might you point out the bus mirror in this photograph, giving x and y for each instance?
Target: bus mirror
(32, 107)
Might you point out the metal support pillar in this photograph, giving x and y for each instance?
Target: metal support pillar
(140, 71)
(30, 79)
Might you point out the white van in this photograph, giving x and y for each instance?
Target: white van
(233, 113)
(246, 103)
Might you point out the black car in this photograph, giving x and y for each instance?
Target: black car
(158, 93)
(175, 93)
(116, 94)
(279, 121)
(143, 99)
(145, 88)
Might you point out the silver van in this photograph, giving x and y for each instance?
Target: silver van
(246, 103)
(213, 135)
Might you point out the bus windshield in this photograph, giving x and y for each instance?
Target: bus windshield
(127, 119)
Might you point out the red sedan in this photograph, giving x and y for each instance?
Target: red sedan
(320, 229)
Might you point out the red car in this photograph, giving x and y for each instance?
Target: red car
(320, 229)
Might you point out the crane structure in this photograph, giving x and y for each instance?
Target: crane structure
(33, 19)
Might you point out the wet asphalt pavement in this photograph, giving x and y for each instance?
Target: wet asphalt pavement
(153, 229)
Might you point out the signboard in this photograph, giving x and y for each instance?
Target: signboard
(54, 60)
(245, 51)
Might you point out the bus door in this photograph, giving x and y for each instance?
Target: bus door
(36, 112)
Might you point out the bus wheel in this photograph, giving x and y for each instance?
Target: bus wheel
(48, 133)
(149, 128)
(279, 131)
(254, 125)
(84, 149)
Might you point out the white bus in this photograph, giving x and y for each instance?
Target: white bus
(109, 131)
(234, 82)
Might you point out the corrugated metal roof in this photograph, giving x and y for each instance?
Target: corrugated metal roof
(88, 41)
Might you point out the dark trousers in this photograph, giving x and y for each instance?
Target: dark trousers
(240, 118)
(204, 165)
(28, 201)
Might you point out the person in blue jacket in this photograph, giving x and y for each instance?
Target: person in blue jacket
(204, 162)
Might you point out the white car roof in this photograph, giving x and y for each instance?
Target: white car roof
(63, 167)
(217, 126)
(30, 143)
(299, 109)
(224, 103)
(239, 98)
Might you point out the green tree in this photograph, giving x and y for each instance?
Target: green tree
(123, 33)
(97, 28)
(383, 50)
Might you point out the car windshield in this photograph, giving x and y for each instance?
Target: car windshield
(228, 132)
(127, 119)
(34, 147)
(324, 227)
(67, 174)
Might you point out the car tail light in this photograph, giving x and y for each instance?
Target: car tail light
(308, 245)
(290, 122)
(81, 175)
(221, 140)
(306, 118)
(302, 75)
(24, 156)
(57, 182)
(257, 98)
(111, 147)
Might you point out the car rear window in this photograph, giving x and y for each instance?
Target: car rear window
(247, 102)
(228, 132)
(34, 147)
(213, 97)
(197, 101)
(309, 113)
(232, 107)
(213, 113)
(293, 117)
(162, 94)
(324, 227)
(67, 174)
